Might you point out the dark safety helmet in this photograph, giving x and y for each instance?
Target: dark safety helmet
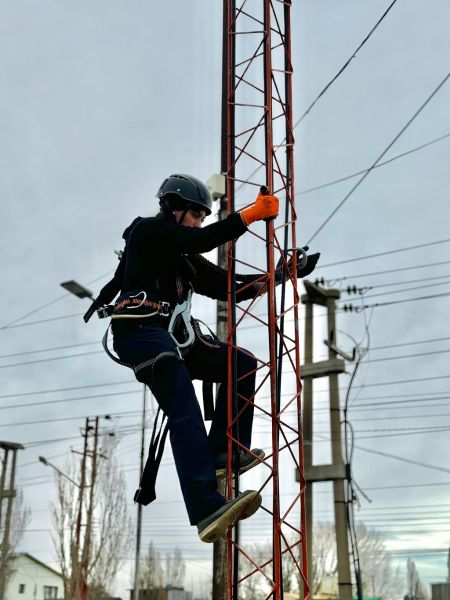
(181, 191)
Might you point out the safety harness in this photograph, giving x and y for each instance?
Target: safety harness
(182, 325)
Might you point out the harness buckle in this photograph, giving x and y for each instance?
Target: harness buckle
(164, 309)
(104, 311)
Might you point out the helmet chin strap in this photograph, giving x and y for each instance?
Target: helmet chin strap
(183, 214)
(169, 211)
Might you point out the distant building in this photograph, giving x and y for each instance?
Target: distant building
(160, 593)
(441, 591)
(328, 589)
(32, 579)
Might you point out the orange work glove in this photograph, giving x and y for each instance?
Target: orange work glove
(265, 207)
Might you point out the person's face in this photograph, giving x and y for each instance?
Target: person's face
(192, 218)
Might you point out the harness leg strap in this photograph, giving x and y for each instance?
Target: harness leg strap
(145, 494)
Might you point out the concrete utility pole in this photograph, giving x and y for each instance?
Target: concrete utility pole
(81, 550)
(76, 584)
(85, 556)
(336, 471)
(8, 493)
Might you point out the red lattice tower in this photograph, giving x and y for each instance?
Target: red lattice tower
(258, 150)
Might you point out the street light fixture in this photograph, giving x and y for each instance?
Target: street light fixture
(77, 289)
(45, 462)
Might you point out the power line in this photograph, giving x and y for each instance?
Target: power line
(61, 419)
(403, 459)
(400, 486)
(382, 358)
(35, 310)
(96, 343)
(51, 359)
(381, 164)
(53, 348)
(403, 417)
(342, 69)
(386, 253)
(432, 396)
(373, 360)
(127, 382)
(402, 429)
(44, 402)
(69, 316)
(68, 389)
(392, 302)
(428, 341)
(389, 146)
(394, 283)
(123, 432)
(390, 292)
(359, 275)
(41, 321)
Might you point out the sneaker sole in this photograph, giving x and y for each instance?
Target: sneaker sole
(223, 472)
(251, 508)
(218, 529)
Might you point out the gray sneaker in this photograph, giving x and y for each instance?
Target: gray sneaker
(215, 526)
(247, 460)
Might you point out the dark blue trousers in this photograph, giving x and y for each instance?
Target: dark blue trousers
(170, 381)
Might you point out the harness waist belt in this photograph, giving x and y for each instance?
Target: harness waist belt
(162, 307)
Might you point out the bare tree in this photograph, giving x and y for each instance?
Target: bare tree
(416, 589)
(174, 569)
(156, 572)
(20, 519)
(92, 553)
(378, 575)
(324, 555)
(151, 569)
(202, 588)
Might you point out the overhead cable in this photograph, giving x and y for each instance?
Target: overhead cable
(68, 389)
(381, 164)
(52, 358)
(390, 292)
(392, 302)
(374, 164)
(394, 283)
(53, 348)
(346, 64)
(35, 310)
(386, 253)
(358, 275)
(45, 402)
(403, 459)
(96, 343)
(414, 343)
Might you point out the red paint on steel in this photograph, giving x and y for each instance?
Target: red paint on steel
(259, 151)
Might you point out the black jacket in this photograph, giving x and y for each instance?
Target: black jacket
(159, 253)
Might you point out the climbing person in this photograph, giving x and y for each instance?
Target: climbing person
(154, 334)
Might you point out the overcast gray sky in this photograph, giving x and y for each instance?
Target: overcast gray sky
(100, 101)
